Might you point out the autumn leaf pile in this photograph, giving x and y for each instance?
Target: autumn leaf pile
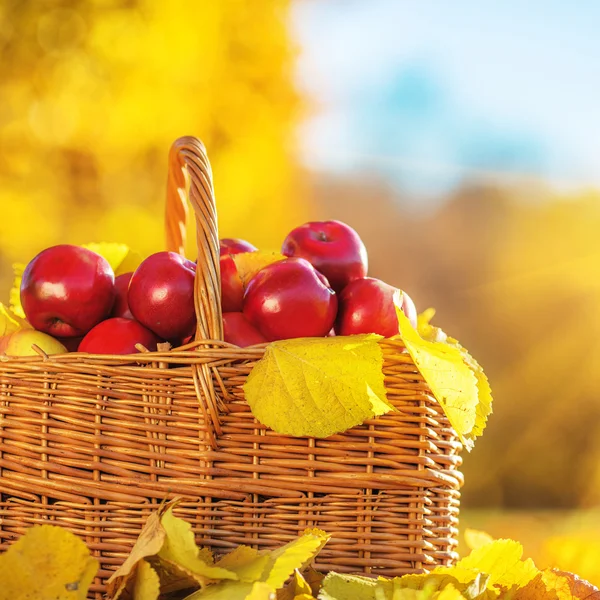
(50, 563)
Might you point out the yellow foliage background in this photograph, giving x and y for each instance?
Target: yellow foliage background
(92, 94)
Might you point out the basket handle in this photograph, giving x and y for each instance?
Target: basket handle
(189, 168)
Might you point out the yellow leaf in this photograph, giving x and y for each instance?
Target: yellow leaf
(568, 586)
(475, 538)
(301, 586)
(452, 382)
(484, 392)
(426, 330)
(149, 543)
(314, 579)
(483, 409)
(294, 555)
(502, 561)
(180, 551)
(147, 583)
(15, 292)
(10, 322)
(261, 591)
(248, 264)
(451, 593)
(460, 579)
(337, 586)
(206, 555)
(235, 590)
(246, 562)
(395, 591)
(129, 263)
(575, 553)
(46, 563)
(317, 387)
(113, 252)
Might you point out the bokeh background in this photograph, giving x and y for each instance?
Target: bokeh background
(461, 140)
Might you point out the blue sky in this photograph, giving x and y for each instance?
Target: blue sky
(428, 92)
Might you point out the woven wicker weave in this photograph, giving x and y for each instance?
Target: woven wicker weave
(94, 443)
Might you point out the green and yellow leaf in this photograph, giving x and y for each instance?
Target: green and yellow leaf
(318, 387)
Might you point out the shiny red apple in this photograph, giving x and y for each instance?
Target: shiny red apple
(367, 306)
(121, 306)
(332, 247)
(232, 289)
(66, 290)
(289, 299)
(161, 295)
(118, 336)
(237, 330)
(235, 246)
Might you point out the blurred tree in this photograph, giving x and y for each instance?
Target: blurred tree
(92, 94)
(515, 281)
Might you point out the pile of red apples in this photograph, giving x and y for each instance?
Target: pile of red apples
(320, 289)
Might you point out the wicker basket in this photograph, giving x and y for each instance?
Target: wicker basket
(94, 443)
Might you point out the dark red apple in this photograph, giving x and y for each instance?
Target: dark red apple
(232, 289)
(367, 306)
(66, 290)
(235, 246)
(237, 330)
(121, 306)
(289, 299)
(118, 336)
(72, 343)
(332, 247)
(161, 295)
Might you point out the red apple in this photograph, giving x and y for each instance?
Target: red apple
(121, 306)
(288, 299)
(235, 246)
(332, 247)
(367, 306)
(118, 336)
(237, 330)
(161, 295)
(232, 289)
(66, 290)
